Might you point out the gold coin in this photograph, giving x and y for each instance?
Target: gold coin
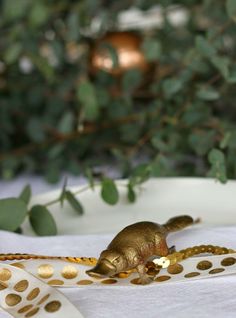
(22, 285)
(69, 272)
(175, 269)
(135, 281)
(32, 312)
(216, 270)
(55, 282)
(228, 261)
(163, 278)
(19, 265)
(42, 300)
(5, 274)
(12, 299)
(33, 294)
(192, 274)
(3, 286)
(204, 265)
(109, 281)
(24, 309)
(85, 282)
(45, 271)
(53, 306)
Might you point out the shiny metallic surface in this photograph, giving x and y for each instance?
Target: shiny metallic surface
(134, 245)
(175, 257)
(204, 265)
(128, 49)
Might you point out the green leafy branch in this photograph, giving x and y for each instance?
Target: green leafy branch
(14, 211)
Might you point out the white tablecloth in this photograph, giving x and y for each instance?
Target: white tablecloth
(213, 297)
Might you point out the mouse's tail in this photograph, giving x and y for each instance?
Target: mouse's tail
(179, 222)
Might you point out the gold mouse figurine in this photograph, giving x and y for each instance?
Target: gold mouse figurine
(135, 244)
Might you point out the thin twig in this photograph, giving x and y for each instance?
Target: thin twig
(86, 188)
(88, 129)
(75, 193)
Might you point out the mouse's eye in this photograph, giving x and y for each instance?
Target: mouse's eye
(117, 260)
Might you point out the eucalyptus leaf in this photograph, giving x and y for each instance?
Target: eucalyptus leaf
(38, 14)
(15, 9)
(225, 140)
(231, 9)
(12, 53)
(52, 173)
(201, 142)
(66, 123)
(42, 221)
(216, 156)
(87, 96)
(222, 64)
(205, 47)
(12, 213)
(74, 202)
(110, 50)
(208, 93)
(35, 129)
(56, 151)
(131, 195)
(232, 75)
(25, 194)
(73, 26)
(218, 170)
(152, 49)
(74, 167)
(109, 192)
(140, 174)
(218, 173)
(172, 87)
(161, 166)
(232, 140)
(158, 143)
(131, 80)
(63, 193)
(43, 66)
(9, 167)
(89, 175)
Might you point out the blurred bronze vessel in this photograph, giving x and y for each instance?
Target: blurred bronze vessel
(128, 50)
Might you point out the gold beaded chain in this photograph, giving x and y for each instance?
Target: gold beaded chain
(177, 257)
(90, 261)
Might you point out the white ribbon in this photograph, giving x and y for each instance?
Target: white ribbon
(25, 287)
(63, 274)
(23, 295)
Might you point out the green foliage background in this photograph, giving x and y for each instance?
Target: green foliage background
(183, 125)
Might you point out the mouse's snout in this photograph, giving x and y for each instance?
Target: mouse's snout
(103, 268)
